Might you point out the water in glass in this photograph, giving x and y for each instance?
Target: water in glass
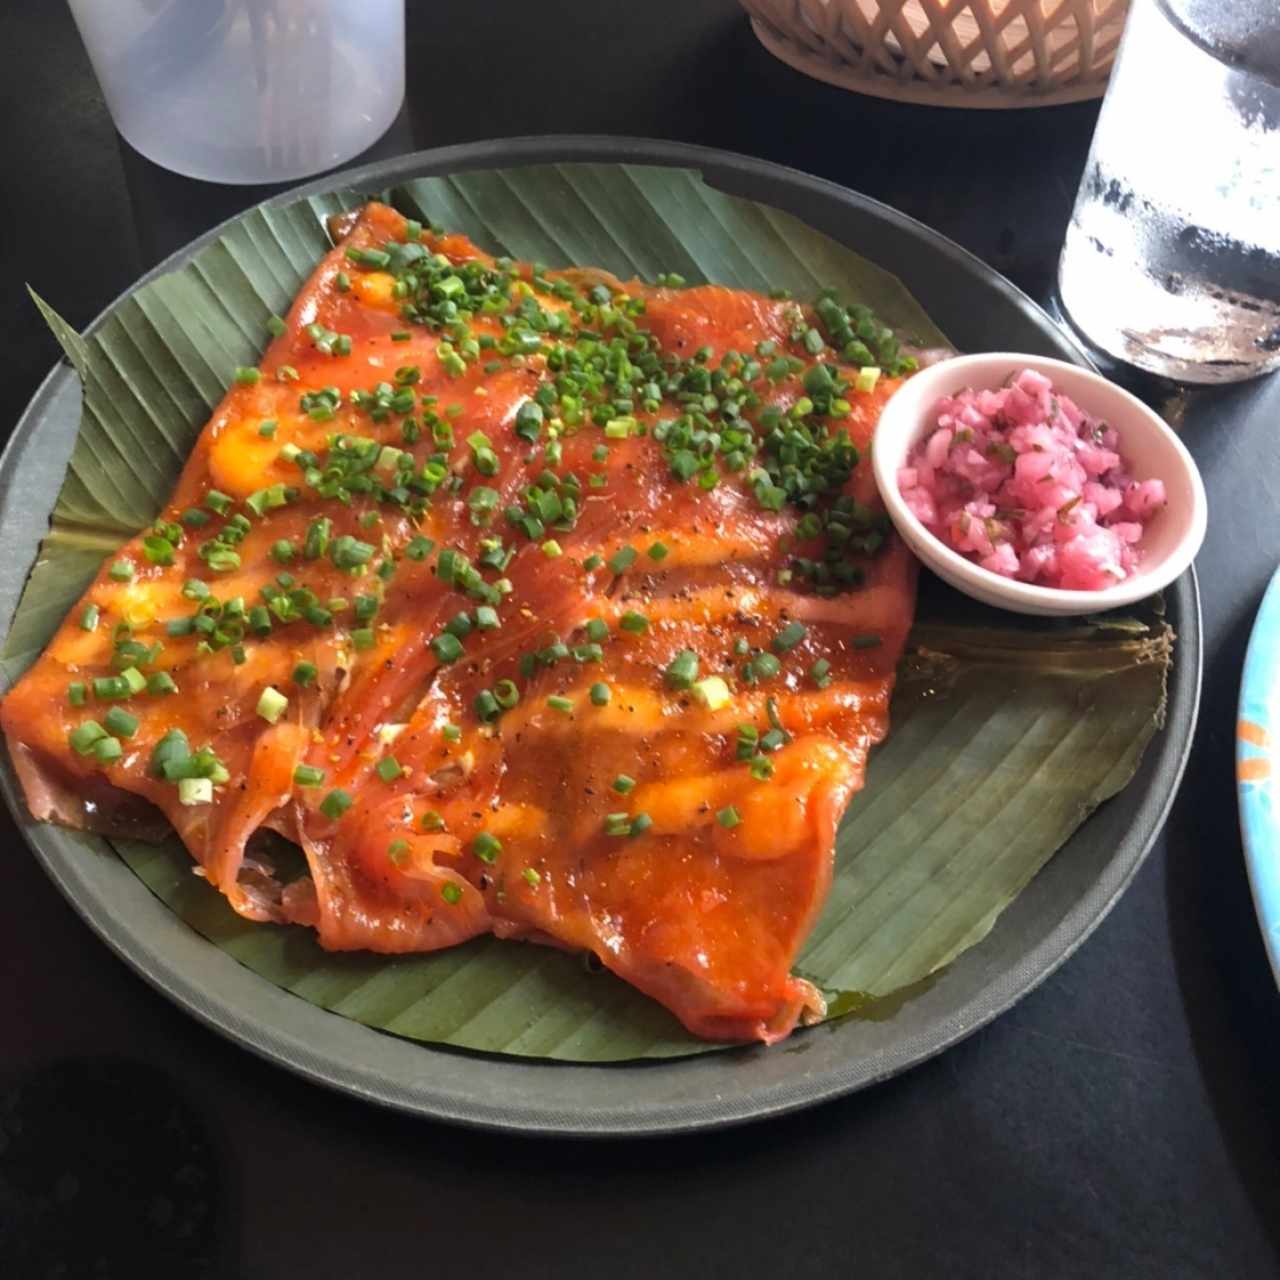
(1172, 258)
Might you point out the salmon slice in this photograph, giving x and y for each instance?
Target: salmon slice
(534, 604)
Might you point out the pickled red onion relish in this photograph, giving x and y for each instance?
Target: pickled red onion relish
(1025, 483)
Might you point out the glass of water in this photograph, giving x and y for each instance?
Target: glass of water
(1172, 258)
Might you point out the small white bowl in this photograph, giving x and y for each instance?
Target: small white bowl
(1169, 541)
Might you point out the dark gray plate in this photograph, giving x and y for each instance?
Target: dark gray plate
(1058, 910)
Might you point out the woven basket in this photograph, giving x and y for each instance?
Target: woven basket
(960, 53)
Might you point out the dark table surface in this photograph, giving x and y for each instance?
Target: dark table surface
(1118, 1122)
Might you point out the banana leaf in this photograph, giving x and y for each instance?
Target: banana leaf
(1006, 734)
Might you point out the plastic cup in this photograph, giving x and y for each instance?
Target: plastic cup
(247, 91)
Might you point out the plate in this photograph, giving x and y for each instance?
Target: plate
(1257, 729)
(1049, 919)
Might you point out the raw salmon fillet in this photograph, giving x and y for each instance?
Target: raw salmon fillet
(529, 603)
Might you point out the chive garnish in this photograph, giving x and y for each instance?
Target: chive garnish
(486, 847)
(789, 637)
(622, 559)
(335, 804)
(682, 670)
(447, 647)
(120, 722)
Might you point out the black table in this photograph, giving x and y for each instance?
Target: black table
(1118, 1122)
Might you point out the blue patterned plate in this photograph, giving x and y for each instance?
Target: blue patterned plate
(1257, 731)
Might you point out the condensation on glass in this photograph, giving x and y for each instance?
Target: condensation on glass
(1172, 257)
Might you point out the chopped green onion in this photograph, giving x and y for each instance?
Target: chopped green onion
(617, 824)
(593, 562)
(633, 622)
(451, 893)
(77, 693)
(640, 824)
(350, 553)
(486, 847)
(623, 784)
(506, 693)
(563, 705)
(172, 747)
(120, 722)
(89, 618)
(272, 704)
(658, 551)
(447, 647)
(247, 375)
(121, 571)
(194, 791)
(551, 549)
(161, 682)
(486, 706)
(451, 733)
(110, 688)
(761, 768)
(820, 673)
(304, 673)
(84, 735)
(600, 694)
(388, 768)
(317, 539)
(622, 559)
(728, 817)
(712, 693)
(108, 749)
(531, 877)
(305, 775)
(682, 670)
(597, 630)
(765, 666)
(789, 637)
(335, 804)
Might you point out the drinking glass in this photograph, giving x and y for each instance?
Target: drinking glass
(1172, 258)
(247, 90)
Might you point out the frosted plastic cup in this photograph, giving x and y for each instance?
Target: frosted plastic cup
(247, 90)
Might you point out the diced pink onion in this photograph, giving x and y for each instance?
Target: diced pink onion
(1027, 484)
